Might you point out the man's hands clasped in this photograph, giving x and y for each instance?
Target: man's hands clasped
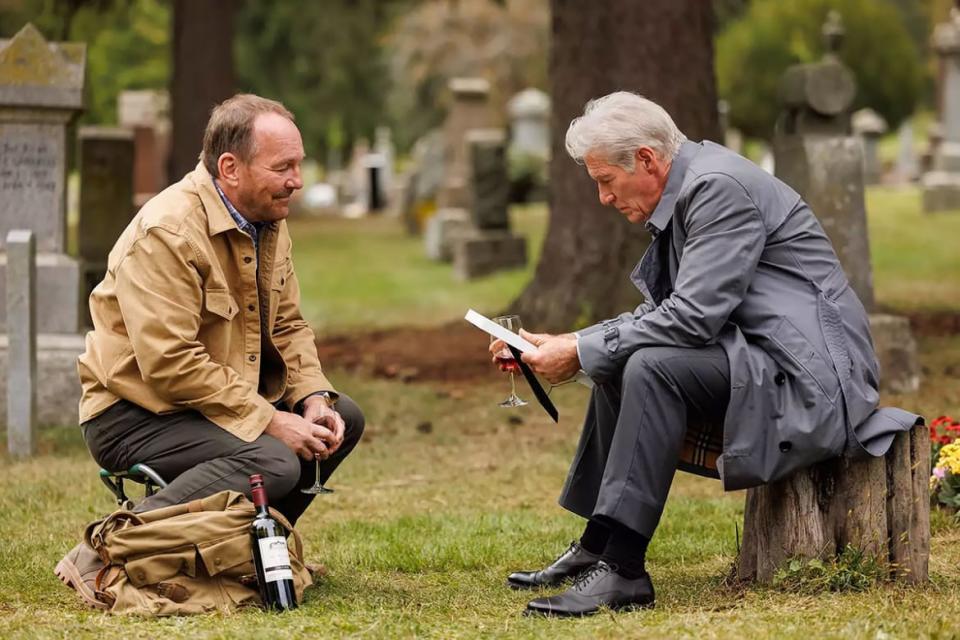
(318, 434)
(555, 359)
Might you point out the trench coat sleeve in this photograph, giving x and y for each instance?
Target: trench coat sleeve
(644, 308)
(160, 294)
(725, 236)
(297, 344)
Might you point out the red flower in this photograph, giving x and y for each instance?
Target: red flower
(945, 439)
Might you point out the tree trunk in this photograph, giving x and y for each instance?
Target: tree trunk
(878, 505)
(202, 74)
(662, 49)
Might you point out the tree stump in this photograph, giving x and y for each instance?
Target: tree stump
(878, 505)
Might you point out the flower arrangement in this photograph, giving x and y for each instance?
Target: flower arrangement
(945, 456)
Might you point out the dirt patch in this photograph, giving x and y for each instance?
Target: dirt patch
(457, 352)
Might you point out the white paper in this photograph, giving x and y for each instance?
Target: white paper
(513, 339)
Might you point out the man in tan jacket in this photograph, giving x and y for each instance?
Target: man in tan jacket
(200, 364)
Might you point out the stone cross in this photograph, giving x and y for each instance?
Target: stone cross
(22, 342)
(941, 186)
(41, 90)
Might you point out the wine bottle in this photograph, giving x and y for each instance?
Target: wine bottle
(270, 554)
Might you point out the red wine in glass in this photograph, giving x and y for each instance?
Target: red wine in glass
(509, 364)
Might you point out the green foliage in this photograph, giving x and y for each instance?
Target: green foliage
(438, 40)
(127, 43)
(755, 50)
(323, 60)
(853, 570)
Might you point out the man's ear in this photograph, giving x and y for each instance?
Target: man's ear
(646, 158)
(228, 166)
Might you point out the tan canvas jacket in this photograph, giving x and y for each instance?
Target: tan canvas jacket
(178, 317)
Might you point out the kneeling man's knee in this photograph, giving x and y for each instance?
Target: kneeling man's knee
(280, 467)
(353, 419)
(644, 366)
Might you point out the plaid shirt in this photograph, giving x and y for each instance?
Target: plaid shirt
(250, 228)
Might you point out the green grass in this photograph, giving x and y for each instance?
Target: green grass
(425, 526)
(370, 273)
(916, 256)
(423, 529)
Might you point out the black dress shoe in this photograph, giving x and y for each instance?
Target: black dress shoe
(568, 566)
(599, 586)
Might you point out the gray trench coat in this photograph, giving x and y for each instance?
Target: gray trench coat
(738, 259)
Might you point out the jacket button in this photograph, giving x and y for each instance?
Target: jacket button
(251, 307)
(785, 446)
(780, 378)
(252, 358)
(247, 259)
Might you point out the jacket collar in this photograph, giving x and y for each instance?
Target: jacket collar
(668, 199)
(218, 218)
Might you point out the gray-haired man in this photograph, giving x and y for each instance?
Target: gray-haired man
(750, 358)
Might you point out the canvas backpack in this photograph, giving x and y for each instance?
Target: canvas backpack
(188, 558)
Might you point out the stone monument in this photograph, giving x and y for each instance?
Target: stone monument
(941, 185)
(147, 114)
(487, 245)
(529, 113)
(41, 90)
(869, 126)
(106, 199)
(816, 155)
(21, 305)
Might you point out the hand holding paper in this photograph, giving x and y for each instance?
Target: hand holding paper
(555, 358)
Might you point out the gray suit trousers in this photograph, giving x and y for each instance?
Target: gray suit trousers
(634, 430)
(197, 458)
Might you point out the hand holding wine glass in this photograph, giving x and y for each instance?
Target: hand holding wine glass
(506, 361)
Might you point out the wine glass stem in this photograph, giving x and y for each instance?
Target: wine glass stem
(316, 478)
(513, 385)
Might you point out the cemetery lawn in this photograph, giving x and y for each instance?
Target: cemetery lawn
(447, 493)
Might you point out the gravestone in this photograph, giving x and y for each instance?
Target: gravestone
(879, 506)
(41, 90)
(147, 114)
(488, 245)
(469, 109)
(529, 113)
(816, 155)
(383, 147)
(424, 178)
(906, 169)
(106, 199)
(21, 306)
(941, 185)
(869, 126)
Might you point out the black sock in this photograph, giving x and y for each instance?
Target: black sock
(595, 537)
(626, 551)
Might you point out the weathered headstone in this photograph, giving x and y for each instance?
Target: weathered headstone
(470, 109)
(22, 359)
(424, 178)
(941, 185)
(906, 168)
(41, 90)
(816, 155)
(869, 126)
(442, 230)
(489, 246)
(529, 113)
(147, 113)
(106, 198)
(383, 146)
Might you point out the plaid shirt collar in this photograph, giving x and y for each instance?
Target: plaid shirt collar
(250, 228)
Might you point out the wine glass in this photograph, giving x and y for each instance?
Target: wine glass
(316, 488)
(505, 358)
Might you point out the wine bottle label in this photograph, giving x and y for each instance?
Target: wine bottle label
(276, 559)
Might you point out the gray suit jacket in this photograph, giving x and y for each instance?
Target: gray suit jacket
(738, 259)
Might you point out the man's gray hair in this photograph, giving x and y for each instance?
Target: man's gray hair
(618, 124)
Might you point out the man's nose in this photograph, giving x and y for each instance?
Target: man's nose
(607, 198)
(295, 181)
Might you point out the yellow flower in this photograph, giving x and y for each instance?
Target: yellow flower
(950, 458)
